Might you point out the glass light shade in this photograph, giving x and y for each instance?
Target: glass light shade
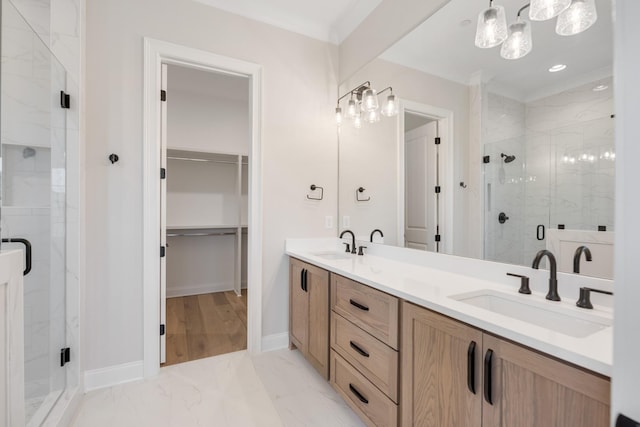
(338, 116)
(519, 41)
(372, 116)
(390, 107)
(492, 27)
(352, 109)
(541, 10)
(578, 17)
(357, 121)
(369, 100)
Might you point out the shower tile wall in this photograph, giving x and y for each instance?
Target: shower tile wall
(549, 183)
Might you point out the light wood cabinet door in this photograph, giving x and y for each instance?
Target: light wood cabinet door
(529, 389)
(440, 371)
(309, 313)
(317, 285)
(298, 306)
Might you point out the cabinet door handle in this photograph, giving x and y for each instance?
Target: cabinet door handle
(302, 279)
(471, 367)
(359, 395)
(359, 349)
(358, 305)
(488, 358)
(306, 280)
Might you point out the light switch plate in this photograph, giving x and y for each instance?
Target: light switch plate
(346, 221)
(328, 221)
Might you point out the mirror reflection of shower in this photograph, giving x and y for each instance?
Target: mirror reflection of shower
(507, 158)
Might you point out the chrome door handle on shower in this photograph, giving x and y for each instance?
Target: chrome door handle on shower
(27, 246)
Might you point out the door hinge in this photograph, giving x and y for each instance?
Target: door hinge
(486, 159)
(163, 95)
(163, 173)
(65, 100)
(437, 237)
(437, 140)
(438, 189)
(161, 330)
(65, 356)
(163, 250)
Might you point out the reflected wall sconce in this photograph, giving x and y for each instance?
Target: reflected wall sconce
(574, 17)
(364, 105)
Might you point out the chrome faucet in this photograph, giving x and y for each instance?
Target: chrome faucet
(353, 241)
(576, 257)
(374, 232)
(552, 295)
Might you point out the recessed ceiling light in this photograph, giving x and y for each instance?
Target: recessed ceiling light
(600, 88)
(557, 67)
(465, 22)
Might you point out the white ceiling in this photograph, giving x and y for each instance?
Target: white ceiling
(224, 86)
(445, 48)
(327, 20)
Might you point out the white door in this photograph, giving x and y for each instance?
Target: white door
(421, 201)
(163, 216)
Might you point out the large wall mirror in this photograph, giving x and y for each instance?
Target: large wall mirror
(488, 157)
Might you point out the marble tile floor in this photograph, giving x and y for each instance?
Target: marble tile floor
(276, 388)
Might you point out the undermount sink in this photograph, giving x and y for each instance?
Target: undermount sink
(332, 256)
(543, 314)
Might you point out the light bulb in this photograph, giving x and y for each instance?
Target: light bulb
(357, 120)
(519, 42)
(369, 100)
(352, 108)
(541, 10)
(372, 116)
(492, 27)
(578, 17)
(338, 116)
(390, 107)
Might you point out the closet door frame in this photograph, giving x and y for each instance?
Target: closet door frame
(156, 53)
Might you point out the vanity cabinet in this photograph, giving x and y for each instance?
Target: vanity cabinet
(309, 313)
(364, 350)
(454, 374)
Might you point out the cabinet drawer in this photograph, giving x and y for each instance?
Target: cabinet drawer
(376, 360)
(375, 409)
(370, 309)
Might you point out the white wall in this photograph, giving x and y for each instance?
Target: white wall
(412, 85)
(626, 370)
(299, 148)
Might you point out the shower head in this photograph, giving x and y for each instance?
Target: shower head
(507, 159)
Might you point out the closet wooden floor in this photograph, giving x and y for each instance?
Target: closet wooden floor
(205, 325)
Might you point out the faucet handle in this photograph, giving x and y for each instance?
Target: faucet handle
(585, 297)
(361, 250)
(348, 250)
(524, 283)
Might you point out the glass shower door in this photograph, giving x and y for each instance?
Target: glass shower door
(33, 197)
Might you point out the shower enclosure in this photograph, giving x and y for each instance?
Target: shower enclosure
(33, 182)
(556, 178)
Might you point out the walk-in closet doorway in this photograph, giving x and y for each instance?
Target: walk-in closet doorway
(205, 135)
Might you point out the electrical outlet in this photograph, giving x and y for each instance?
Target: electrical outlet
(346, 221)
(328, 221)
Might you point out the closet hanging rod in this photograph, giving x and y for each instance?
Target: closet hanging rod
(200, 234)
(205, 160)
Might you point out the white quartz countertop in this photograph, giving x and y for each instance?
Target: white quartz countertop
(433, 288)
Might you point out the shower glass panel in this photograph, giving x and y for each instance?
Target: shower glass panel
(33, 195)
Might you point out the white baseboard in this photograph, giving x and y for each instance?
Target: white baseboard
(113, 375)
(275, 341)
(199, 289)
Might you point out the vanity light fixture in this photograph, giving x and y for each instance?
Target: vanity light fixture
(364, 105)
(519, 42)
(557, 67)
(576, 18)
(492, 27)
